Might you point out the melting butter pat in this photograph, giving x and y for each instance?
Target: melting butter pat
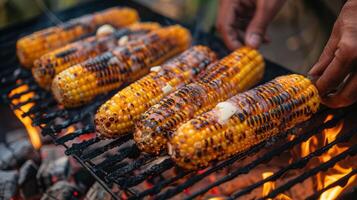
(225, 111)
(106, 29)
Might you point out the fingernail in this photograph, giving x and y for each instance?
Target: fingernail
(254, 40)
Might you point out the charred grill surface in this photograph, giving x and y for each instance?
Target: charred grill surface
(119, 161)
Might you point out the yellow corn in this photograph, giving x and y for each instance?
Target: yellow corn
(52, 63)
(31, 47)
(80, 83)
(117, 116)
(235, 73)
(243, 121)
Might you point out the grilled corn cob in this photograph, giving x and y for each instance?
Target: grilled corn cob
(235, 73)
(80, 83)
(117, 116)
(31, 47)
(243, 121)
(50, 64)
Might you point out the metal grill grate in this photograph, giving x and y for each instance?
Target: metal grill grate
(118, 161)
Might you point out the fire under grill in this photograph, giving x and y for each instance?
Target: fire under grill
(125, 172)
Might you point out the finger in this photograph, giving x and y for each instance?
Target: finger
(345, 97)
(336, 71)
(231, 39)
(265, 11)
(327, 54)
(224, 22)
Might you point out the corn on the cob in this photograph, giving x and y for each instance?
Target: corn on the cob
(80, 83)
(52, 63)
(235, 73)
(31, 47)
(117, 116)
(243, 121)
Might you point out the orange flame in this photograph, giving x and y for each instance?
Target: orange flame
(329, 179)
(309, 146)
(32, 131)
(337, 171)
(269, 186)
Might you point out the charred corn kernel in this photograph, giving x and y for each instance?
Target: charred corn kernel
(50, 64)
(117, 116)
(80, 83)
(31, 47)
(243, 121)
(235, 73)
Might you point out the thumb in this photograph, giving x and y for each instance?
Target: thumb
(264, 13)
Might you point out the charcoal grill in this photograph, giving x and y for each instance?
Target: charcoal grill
(119, 163)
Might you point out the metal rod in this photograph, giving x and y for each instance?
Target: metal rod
(300, 163)
(324, 166)
(340, 182)
(266, 157)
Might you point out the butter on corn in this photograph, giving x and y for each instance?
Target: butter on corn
(33, 46)
(52, 63)
(80, 83)
(235, 73)
(118, 115)
(253, 116)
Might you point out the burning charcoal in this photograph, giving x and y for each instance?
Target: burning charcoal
(7, 159)
(97, 192)
(22, 151)
(53, 171)
(16, 153)
(8, 184)
(16, 135)
(62, 190)
(27, 180)
(82, 178)
(51, 152)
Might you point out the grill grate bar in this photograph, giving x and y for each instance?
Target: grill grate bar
(30, 100)
(159, 186)
(8, 88)
(130, 167)
(78, 148)
(32, 88)
(191, 181)
(340, 182)
(300, 163)
(121, 155)
(59, 127)
(324, 166)
(70, 136)
(127, 182)
(96, 152)
(37, 108)
(267, 156)
(16, 75)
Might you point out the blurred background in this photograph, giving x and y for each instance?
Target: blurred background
(298, 32)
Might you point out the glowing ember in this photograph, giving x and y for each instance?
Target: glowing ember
(32, 131)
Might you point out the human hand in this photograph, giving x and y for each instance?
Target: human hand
(245, 21)
(336, 67)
